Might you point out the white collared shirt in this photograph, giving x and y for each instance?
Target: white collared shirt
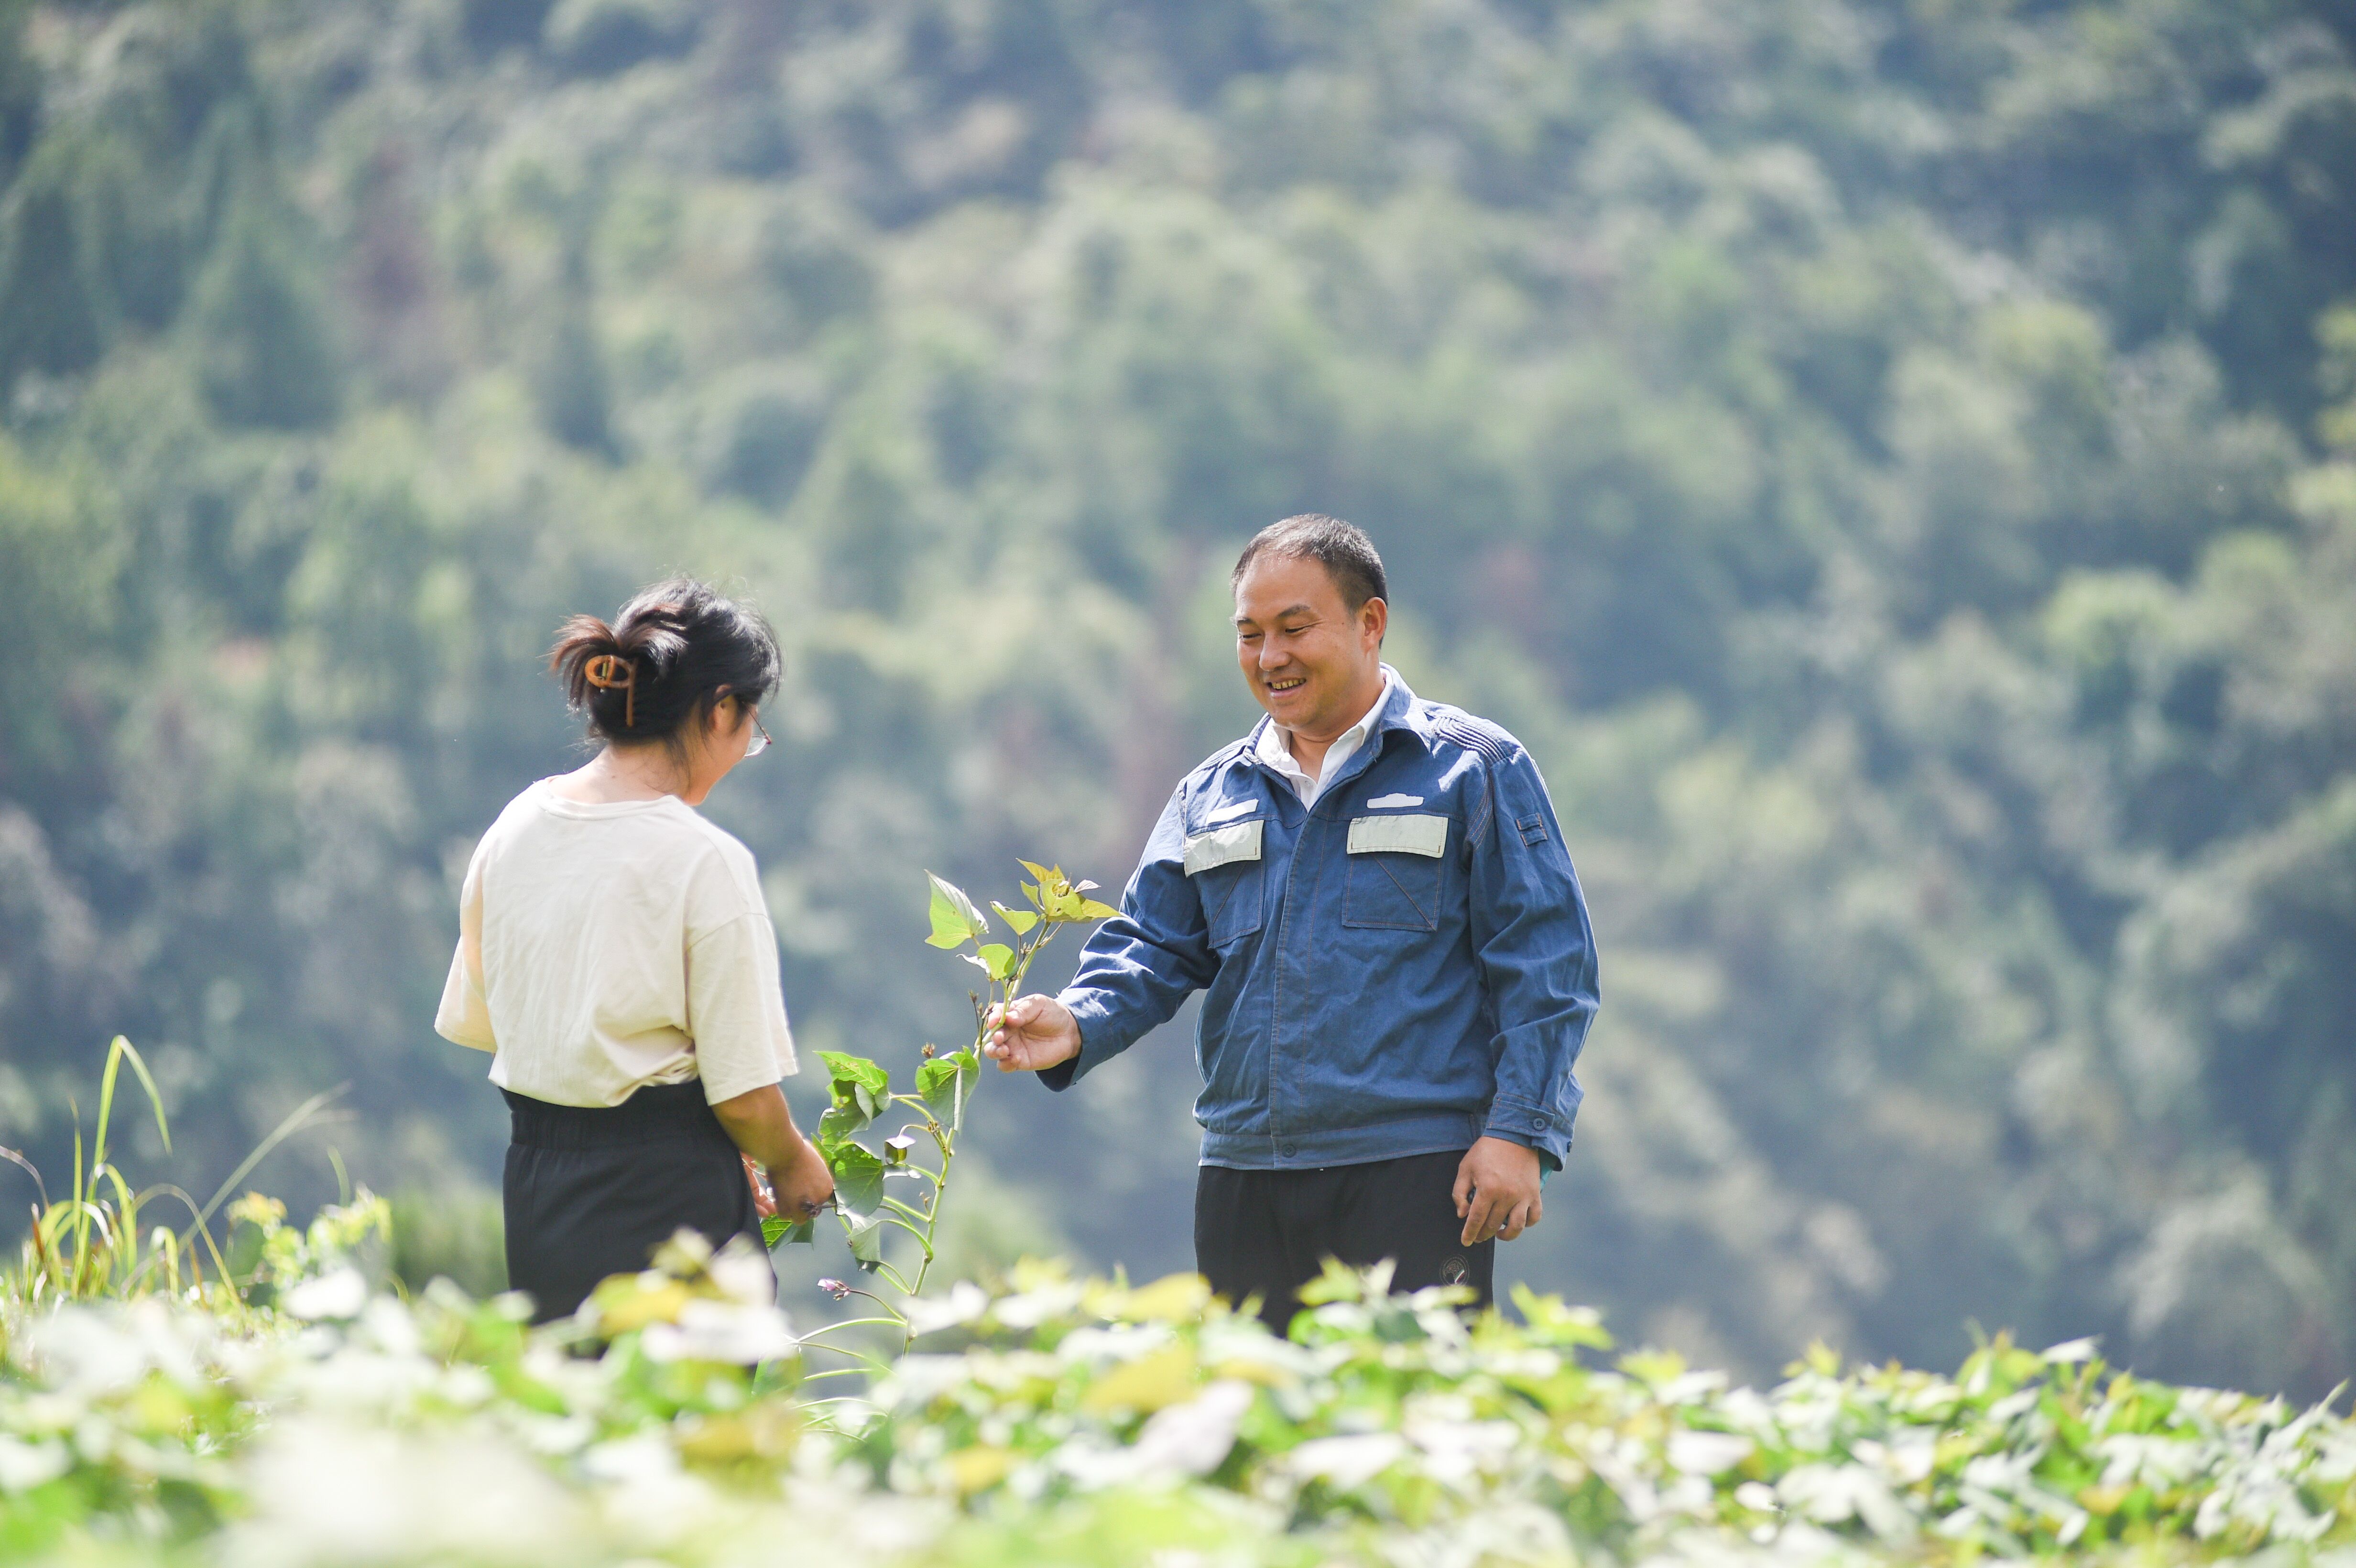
(1275, 748)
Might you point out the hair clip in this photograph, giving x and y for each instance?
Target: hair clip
(599, 673)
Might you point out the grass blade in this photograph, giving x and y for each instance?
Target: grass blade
(18, 1158)
(146, 1081)
(294, 1121)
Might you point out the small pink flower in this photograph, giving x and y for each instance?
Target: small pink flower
(835, 1288)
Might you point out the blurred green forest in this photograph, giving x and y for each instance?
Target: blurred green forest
(1893, 461)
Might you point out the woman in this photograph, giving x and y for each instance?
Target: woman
(615, 958)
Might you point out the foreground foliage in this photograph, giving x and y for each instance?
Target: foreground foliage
(278, 1408)
(1083, 1421)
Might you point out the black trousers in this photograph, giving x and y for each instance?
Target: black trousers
(592, 1192)
(1269, 1232)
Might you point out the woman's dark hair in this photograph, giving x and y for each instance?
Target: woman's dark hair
(674, 651)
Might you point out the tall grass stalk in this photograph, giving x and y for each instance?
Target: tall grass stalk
(97, 1242)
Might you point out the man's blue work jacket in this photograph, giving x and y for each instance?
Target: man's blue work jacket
(1398, 969)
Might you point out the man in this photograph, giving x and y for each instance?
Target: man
(1374, 894)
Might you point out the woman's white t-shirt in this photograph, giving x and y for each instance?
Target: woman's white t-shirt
(605, 947)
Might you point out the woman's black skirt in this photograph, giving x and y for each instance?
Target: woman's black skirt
(592, 1192)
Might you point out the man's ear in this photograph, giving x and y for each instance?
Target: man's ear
(1375, 616)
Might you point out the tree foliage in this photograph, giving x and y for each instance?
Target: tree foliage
(1891, 462)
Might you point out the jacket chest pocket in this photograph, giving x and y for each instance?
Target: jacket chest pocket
(1398, 866)
(1224, 864)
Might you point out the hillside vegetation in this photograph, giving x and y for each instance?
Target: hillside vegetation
(1893, 461)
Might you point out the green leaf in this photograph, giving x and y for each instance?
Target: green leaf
(956, 921)
(859, 1089)
(997, 960)
(836, 1124)
(1091, 910)
(1039, 873)
(1551, 1322)
(777, 1229)
(1022, 920)
(843, 1068)
(858, 1178)
(1059, 898)
(865, 1234)
(945, 1083)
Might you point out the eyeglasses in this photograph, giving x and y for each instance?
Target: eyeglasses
(760, 742)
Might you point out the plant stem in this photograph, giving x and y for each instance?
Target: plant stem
(837, 1372)
(1026, 948)
(848, 1323)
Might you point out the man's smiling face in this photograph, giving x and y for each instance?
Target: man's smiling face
(1314, 666)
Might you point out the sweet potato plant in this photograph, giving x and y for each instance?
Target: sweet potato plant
(899, 1182)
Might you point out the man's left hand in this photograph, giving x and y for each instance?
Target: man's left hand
(1498, 1190)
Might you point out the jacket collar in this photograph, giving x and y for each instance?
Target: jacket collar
(1399, 711)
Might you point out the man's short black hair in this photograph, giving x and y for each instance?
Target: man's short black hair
(1344, 551)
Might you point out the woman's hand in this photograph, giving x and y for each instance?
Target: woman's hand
(760, 1124)
(764, 1201)
(804, 1187)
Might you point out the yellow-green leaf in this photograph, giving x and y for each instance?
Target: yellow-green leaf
(954, 919)
(1153, 1381)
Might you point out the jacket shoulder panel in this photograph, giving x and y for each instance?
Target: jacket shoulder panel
(1494, 742)
(1201, 772)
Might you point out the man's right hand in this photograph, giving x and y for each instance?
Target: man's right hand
(1032, 1034)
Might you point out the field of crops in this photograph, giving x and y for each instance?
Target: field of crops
(309, 1419)
(272, 1398)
